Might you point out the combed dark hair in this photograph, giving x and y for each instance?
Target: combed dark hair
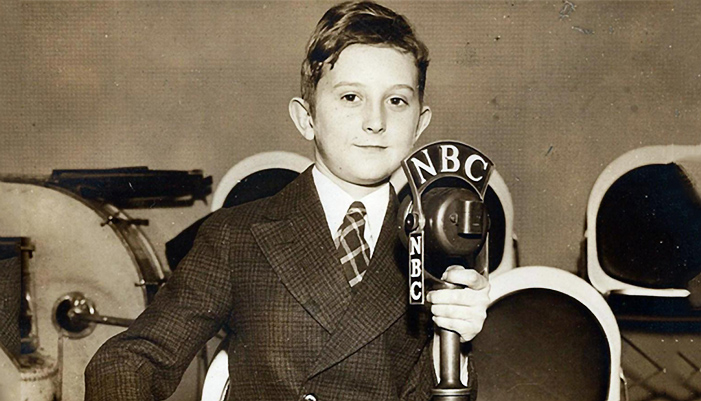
(363, 22)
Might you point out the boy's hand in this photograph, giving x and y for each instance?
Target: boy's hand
(461, 310)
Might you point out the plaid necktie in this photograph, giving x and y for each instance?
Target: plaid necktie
(353, 250)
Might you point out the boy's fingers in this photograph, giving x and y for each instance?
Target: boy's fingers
(464, 297)
(467, 277)
(468, 313)
(461, 310)
(467, 330)
(454, 267)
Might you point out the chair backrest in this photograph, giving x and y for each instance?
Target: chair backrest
(503, 255)
(548, 336)
(257, 176)
(644, 221)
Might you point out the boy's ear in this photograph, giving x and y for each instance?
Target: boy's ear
(424, 120)
(302, 117)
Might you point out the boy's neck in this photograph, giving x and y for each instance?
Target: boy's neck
(356, 191)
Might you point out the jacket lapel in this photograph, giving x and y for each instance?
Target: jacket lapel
(379, 301)
(300, 249)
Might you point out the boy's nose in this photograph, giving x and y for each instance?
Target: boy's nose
(374, 118)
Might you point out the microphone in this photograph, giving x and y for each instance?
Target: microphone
(444, 222)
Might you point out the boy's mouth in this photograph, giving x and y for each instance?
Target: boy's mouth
(371, 147)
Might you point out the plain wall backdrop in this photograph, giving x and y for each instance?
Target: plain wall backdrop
(552, 93)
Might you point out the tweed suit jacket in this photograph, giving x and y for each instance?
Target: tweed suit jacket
(268, 270)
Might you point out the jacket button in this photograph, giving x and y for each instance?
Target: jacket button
(310, 397)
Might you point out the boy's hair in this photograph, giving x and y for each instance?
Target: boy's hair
(363, 22)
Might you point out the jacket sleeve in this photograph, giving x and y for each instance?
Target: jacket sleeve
(147, 361)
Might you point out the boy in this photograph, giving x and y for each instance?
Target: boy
(316, 312)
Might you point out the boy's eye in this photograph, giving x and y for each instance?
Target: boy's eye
(351, 97)
(397, 101)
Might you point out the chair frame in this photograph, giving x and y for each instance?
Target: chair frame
(604, 283)
(550, 278)
(216, 382)
(255, 163)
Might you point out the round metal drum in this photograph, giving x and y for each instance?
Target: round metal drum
(39, 378)
(9, 376)
(78, 249)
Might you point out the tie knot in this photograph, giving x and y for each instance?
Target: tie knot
(356, 211)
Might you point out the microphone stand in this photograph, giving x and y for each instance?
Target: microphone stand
(445, 217)
(456, 232)
(450, 387)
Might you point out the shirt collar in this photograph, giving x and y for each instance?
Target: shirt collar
(336, 202)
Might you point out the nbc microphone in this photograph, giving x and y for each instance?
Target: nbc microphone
(443, 223)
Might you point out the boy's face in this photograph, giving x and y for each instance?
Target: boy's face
(367, 116)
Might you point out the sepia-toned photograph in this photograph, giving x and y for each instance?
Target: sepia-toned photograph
(477, 200)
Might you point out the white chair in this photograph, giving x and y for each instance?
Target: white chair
(547, 335)
(687, 159)
(216, 383)
(280, 160)
(509, 257)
